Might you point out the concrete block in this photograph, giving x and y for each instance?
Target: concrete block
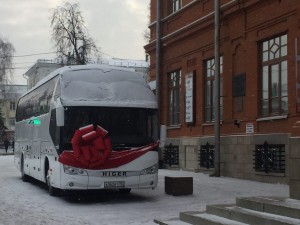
(274, 205)
(294, 168)
(232, 140)
(250, 150)
(241, 149)
(245, 159)
(173, 141)
(294, 148)
(179, 185)
(191, 164)
(271, 139)
(295, 189)
(190, 141)
(204, 140)
(240, 140)
(248, 139)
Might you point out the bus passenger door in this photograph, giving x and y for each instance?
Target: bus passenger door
(28, 146)
(35, 168)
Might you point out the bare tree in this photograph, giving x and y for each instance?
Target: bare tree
(6, 53)
(146, 34)
(70, 35)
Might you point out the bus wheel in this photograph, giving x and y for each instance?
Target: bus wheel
(24, 177)
(52, 190)
(125, 190)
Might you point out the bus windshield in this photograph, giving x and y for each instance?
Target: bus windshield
(127, 127)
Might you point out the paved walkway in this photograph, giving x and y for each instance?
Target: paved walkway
(9, 151)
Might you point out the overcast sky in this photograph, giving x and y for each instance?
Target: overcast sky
(117, 26)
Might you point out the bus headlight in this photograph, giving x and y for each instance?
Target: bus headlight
(74, 171)
(150, 170)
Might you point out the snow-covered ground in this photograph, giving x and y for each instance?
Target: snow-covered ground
(30, 204)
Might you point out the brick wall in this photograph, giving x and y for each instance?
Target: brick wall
(188, 40)
(186, 44)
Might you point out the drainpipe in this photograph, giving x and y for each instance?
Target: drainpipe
(158, 50)
(217, 89)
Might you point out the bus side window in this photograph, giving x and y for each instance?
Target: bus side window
(25, 108)
(20, 112)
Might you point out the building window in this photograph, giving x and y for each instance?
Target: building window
(274, 94)
(12, 106)
(174, 97)
(175, 5)
(209, 89)
(12, 122)
(239, 91)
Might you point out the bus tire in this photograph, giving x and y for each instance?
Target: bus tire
(52, 190)
(24, 176)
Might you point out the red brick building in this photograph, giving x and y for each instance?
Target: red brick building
(260, 95)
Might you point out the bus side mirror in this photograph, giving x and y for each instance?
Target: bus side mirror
(60, 113)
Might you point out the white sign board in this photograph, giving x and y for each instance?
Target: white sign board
(189, 98)
(249, 128)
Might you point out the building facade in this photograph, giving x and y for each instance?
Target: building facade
(9, 97)
(41, 69)
(259, 85)
(139, 66)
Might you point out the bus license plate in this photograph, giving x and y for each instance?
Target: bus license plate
(114, 184)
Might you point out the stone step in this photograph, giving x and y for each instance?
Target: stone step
(249, 216)
(202, 218)
(173, 221)
(249, 210)
(275, 205)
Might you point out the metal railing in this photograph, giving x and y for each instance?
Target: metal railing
(207, 156)
(269, 158)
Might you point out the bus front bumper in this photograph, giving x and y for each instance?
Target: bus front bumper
(78, 179)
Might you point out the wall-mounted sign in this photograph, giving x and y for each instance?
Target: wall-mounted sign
(249, 128)
(189, 98)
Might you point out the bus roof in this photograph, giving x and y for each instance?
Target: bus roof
(102, 85)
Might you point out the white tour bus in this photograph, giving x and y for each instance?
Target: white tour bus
(86, 128)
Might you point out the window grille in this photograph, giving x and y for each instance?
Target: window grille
(269, 158)
(171, 155)
(207, 156)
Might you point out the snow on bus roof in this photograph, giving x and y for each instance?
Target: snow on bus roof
(106, 87)
(102, 85)
(78, 67)
(75, 67)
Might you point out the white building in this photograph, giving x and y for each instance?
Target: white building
(41, 69)
(139, 66)
(9, 96)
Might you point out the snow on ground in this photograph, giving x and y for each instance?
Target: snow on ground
(30, 204)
